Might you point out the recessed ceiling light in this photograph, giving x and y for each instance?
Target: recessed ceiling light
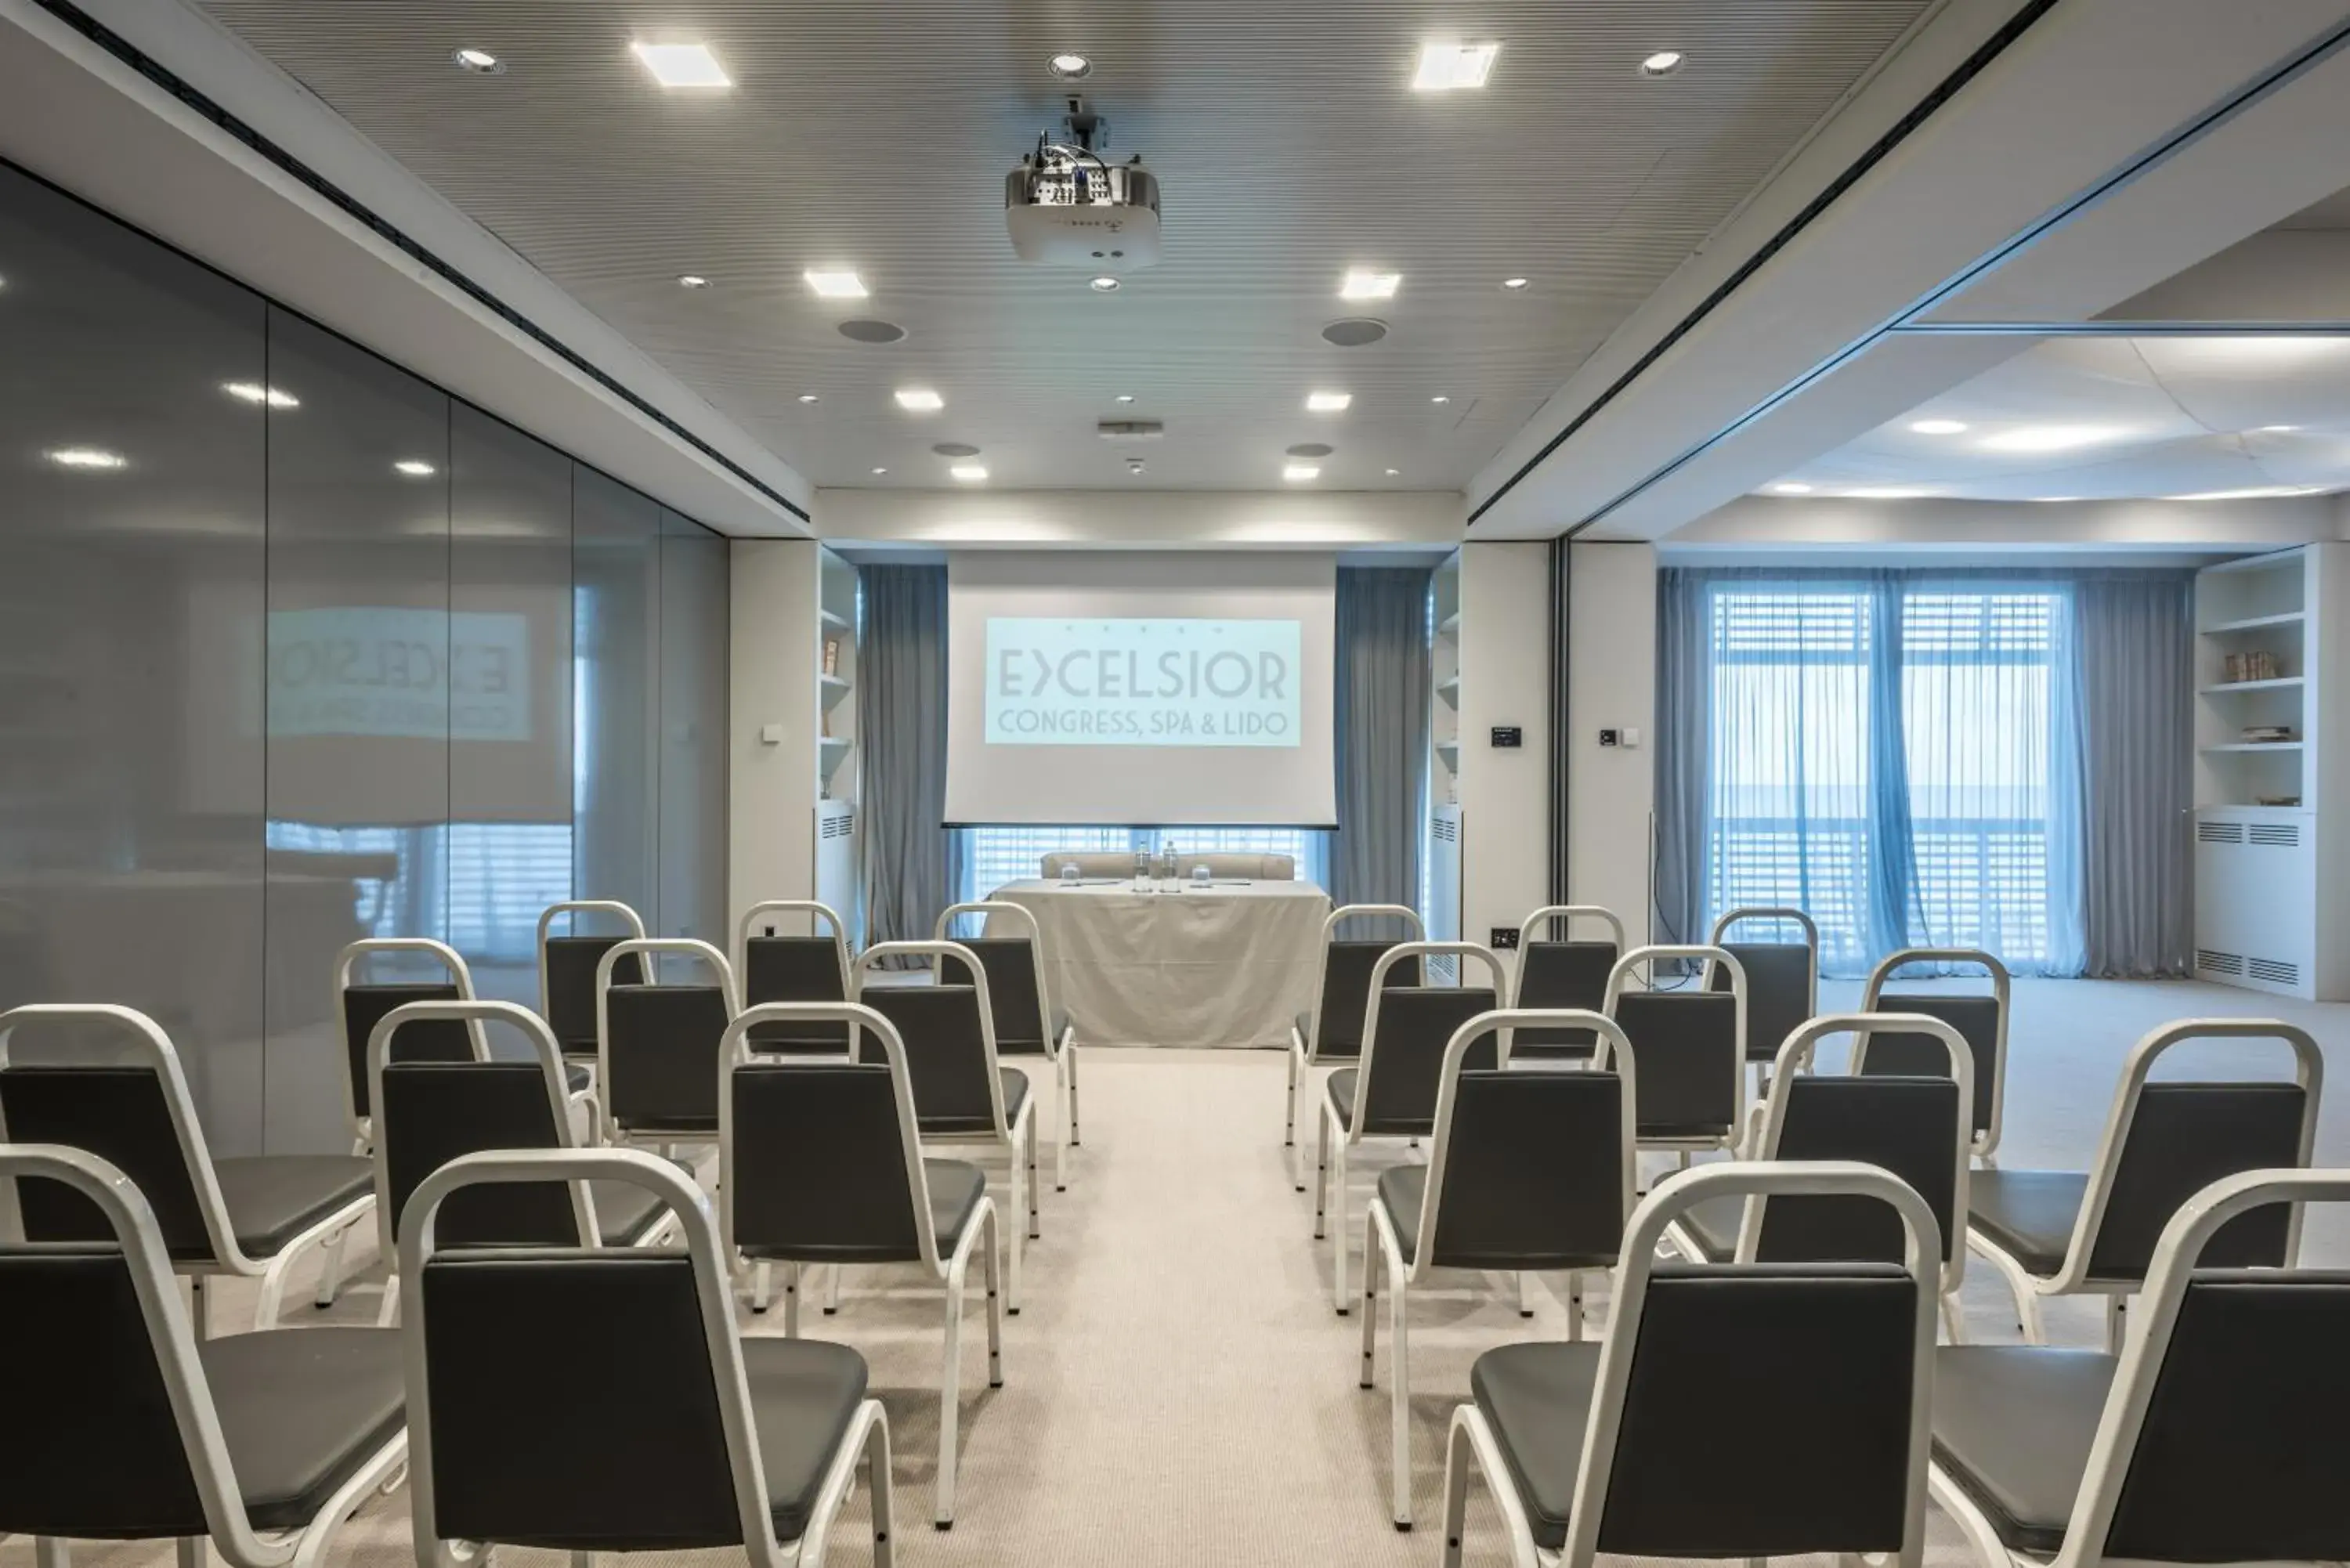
(414, 467)
(1938, 427)
(1328, 402)
(683, 65)
(879, 472)
(2052, 438)
(1663, 63)
(2258, 493)
(1126, 397)
(692, 280)
(1392, 473)
(1105, 285)
(254, 392)
(955, 449)
(1791, 487)
(1514, 282)
(88, 457)
(1885, 493)
(479, 60)
(970, 472)
(2274, 430)
(807, 397)
(1440, 398)
(1134, 465)
(1071, 67)
(835, 283)
(920, 400)
(1361, 283)
(1445, 66)
(1298, 472)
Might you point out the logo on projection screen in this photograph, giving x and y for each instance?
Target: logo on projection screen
(1132, 683)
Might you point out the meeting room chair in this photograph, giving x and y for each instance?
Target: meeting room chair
(431, 1113)
(1783, 977)
(2060, 1233)
(1032, 1034)
(263, 1443)
(657, 1043)
(359, 1002)
(1819, 1373)
(1981, 1018)
(1226, 864)
(962, 1093)
(1557, 970)
(2215, 1436)
(1091, 864)
(657, 1428)
(1916, 1127)
(820, 1163)
(777, 966)
(1531, 1172)
(1391, 1093)
(1689, 1043)
(107, 1079)
(566, 970)
(1333, 1031)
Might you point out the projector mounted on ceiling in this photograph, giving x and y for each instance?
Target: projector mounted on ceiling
(1068, 206)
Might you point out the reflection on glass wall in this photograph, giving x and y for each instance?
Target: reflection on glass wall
(294, 648)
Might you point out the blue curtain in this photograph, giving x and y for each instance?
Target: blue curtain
(1383, 690)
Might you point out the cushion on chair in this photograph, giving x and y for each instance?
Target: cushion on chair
(301, 1410)
(956, 1187)
(2027, 1214)
(1404, 1189)
(273, 1198)
(1015, 1095)
(1341, 1085)
(2012, 1428)
(1713, 1223)
(1536, 1398)
(624, 1211)
(576, 1078)
(804, 1395)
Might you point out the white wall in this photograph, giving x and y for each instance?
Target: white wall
(772, 672)
(1135, 520)
(1611, 684)
(2010, 528)
(1505, 680)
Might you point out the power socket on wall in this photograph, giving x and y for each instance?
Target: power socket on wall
(1505, 939)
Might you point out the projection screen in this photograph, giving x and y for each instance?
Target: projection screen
(1140, 690)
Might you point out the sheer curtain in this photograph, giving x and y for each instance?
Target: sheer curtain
(1384, 687)
(911, 864)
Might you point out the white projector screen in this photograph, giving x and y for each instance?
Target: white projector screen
(1140, 690)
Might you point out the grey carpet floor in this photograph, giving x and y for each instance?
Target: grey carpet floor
(1178, 1390)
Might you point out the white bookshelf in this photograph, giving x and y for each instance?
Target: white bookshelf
(1444, 715)
(839, 781)
(2271, 768)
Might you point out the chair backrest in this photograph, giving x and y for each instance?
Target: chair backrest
(115, 1088)
(2164, 1142)
(1916, 1127)
(1344, 1000)
(360, 1003)
(431, 1113)
(1256, 868)
(1563, 973)
(656, 1045)
(820, 1158)
(123, 1440)
(1782, 979)
(1532, 1169)
(947, 1033)
(660, 1449)
(1840, 1353)
(1406, 1031)
(774, 966)
(1982, 1019)
(2223, 1439)
(1692, 1068)
(1088, 863)
(566, 968)
(1014, 962)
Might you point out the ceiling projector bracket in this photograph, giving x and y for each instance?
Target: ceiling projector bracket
(1066, 205)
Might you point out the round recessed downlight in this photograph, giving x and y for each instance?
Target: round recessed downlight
(692, 280)
(1071, 67)
(878, 471)
(865, 329)
(479, 61)
(1355, 331)
(955, 449)
(1393, 473)
(1312, 448)
(1126, 397)
(1663, 63)
(807, 397)
(1105, 285)
(1939, 427)
(1440, 398)
(1514, 283)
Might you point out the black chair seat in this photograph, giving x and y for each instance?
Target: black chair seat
(301, 1410)
(2028, 1214)
(273, 1198)
(956, 1187)
(1027, 1045)
(2012, 1428)
(1538, 1399)
(576, 1077)
(1713, 1224)
(803, 1395)
(624, 1211)
(1403, 1188)
(1347, 1048)
(1341, 1087)
(1015, 1095)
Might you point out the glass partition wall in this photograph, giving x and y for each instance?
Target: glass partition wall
(296, 647)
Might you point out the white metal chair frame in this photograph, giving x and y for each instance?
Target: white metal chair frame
(154, 1047)
(866, 1440)
(575, 907)
(2002, 989)
(1015, 1136)
(952, 1271)
(1472, 1439)
(1306, 1049)
(1061, 1051)
(1331, 1166)
(1620, 981)
(2072, 1279)
(347, 963)
(173, 1337)
(2123, 1420)
(1564, 915)
(609, 1130)
(541, 1037)
(1796, 1060)
(1382, 1244)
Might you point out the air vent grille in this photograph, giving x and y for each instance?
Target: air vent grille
(1445, 830)
(1131, 429)
(2273, 970)
(2283, 835)
(2212, 962)
(838, 826)
(2219, 833)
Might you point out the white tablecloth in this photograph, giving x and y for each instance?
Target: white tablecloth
(1228, 964)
